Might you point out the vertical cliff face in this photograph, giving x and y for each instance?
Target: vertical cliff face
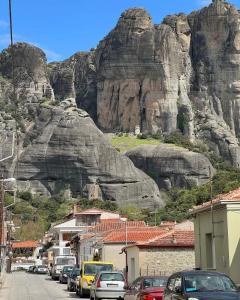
(76, 78)
(138, 66)
(215, 90)
(180, 75)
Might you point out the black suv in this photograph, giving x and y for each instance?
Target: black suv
(200, 285)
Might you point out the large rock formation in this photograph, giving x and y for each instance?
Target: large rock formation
(182, 74)
(28, 67)
(138, 65)
(172, 166)
(65, 150)
(76, 78)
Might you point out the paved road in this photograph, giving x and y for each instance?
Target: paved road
(24, 286)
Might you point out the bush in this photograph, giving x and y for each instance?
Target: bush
(178, 139)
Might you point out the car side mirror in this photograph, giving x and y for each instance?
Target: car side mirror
(178, 290)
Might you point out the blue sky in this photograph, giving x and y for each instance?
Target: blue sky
(63, 27)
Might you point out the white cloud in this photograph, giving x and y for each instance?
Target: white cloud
(3, 24)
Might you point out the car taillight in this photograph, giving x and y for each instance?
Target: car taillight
(147, 297)
(98, 283)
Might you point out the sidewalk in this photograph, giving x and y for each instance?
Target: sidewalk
(4, 289)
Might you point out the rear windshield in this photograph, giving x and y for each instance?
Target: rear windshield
(111, 277)
(41, 267)
(67, 269)
(93, 269)
(154, 282)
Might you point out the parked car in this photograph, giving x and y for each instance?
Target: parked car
(41, 269)
(88, 271)
(31, 269)
(71, 280)
(146, 288)
(200, 285)
(108, 285)
(64, 274)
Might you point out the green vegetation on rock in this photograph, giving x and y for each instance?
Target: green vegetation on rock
(126, 142)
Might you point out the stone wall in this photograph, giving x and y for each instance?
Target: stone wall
(165, 261)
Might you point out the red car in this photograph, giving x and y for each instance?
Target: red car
(147, 288)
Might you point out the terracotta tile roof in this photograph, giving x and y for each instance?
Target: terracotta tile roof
(25, 244)
(231, 196)
(174, 238)
(109, 226)
(133, 236)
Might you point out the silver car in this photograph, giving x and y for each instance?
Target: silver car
(108, 285)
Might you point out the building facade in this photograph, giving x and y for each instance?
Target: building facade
(164, 255)
(217, 234)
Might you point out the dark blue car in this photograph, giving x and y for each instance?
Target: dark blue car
(200, 285)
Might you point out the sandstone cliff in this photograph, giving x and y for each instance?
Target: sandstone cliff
(66, 150)
(183, 74)
(171, 166)
(180, 75)
(76, 78)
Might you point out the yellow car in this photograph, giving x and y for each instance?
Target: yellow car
(88, 271)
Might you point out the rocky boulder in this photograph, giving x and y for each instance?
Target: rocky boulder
(65, 150)
(171, 166)
(29, 72)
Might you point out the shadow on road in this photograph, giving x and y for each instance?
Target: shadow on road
(73, 296)
(49, 279)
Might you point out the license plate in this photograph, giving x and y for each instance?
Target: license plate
(112, 284)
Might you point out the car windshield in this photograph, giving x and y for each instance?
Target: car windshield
(203, 283)
(41, 266)
(111, 277)
(67, 269)
(154, 282)
(93, 269)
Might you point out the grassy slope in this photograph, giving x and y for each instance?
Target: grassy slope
(125, 143)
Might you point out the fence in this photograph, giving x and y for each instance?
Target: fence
(153, 272)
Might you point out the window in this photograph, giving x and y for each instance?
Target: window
(112, 277)
(204, 283)
(154, 282)
(178, 282)
(92, 269)
(170, 284)
(66, 251)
